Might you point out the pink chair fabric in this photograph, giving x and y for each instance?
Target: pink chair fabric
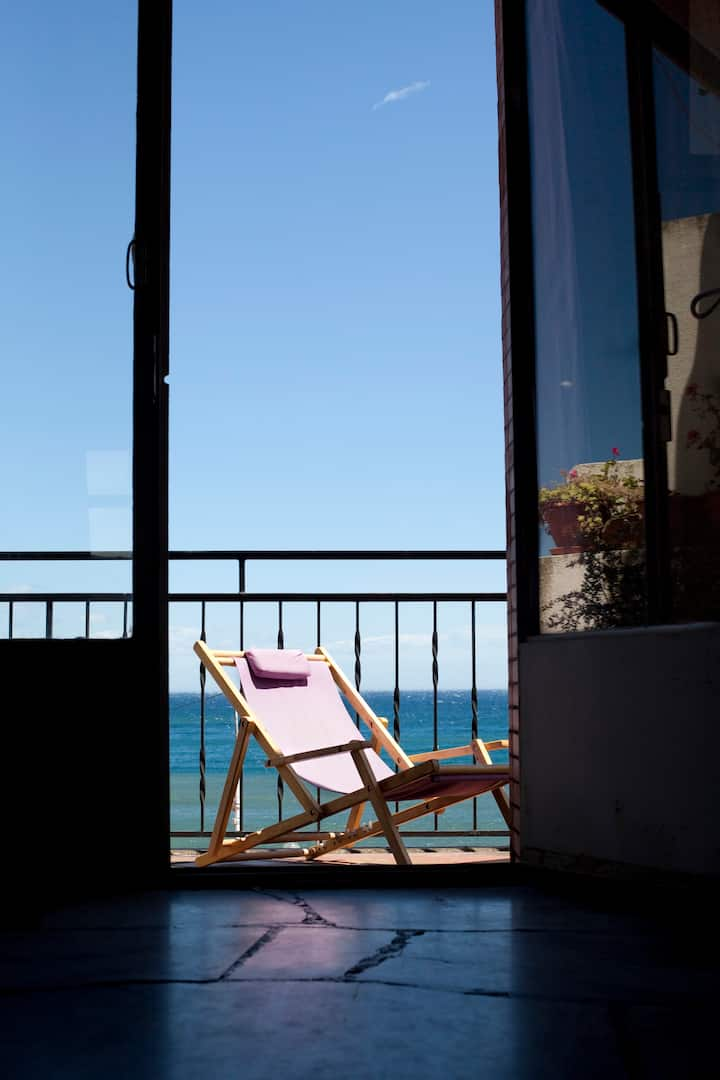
(307, 716)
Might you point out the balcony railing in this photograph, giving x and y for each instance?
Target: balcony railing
(202, 726)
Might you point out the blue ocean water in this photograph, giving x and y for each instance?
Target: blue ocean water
(260, 789)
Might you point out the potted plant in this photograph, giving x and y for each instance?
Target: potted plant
(595, 509)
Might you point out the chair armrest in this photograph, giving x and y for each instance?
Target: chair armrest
(437, 755)
(323, 751)
(457, 751)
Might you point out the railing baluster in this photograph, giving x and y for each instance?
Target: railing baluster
(202, 761)
(242, 589)
(280, 645)
(87, 618)
(238, 798)
(280, 795)
(435, 689)
(48, 619)
(319, 643)
(358, 648)
(11, 619)
(473, 692)
(125, 619)
(396, 689)
(435, 676)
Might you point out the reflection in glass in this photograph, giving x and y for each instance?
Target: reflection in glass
(67, 114)
(688, 160)
(588, 412)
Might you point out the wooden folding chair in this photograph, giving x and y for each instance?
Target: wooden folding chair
(291, 704)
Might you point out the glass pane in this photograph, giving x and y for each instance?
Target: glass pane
(688, 152)
(588, 410)
(67, 116)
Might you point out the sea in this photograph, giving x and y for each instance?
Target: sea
(261, 801)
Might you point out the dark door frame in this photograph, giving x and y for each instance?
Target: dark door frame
(151, 368)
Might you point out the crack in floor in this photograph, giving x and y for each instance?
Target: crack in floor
(253, 950)
(312, 917)
(397, 946)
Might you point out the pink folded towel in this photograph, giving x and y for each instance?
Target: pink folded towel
(280, 665)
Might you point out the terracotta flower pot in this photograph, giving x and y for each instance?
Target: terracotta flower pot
(561, 521)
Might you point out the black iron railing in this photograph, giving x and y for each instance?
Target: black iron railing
(242, 600)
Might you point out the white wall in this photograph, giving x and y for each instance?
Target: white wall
(620, 747)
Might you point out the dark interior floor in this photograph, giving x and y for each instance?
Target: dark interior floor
(499, 980)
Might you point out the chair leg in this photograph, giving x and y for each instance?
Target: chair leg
(231, 782)
(354, 819)
(380, 807)
(481, 755)
(503, 805)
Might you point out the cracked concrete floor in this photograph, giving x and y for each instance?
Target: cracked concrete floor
(506, 981)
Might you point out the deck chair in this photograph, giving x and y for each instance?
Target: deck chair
(291, 704)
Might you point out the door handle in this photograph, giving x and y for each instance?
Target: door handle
(130, 257)
(673, 335)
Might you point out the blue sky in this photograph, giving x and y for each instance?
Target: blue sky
(335, 335)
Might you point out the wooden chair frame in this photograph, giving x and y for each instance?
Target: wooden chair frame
(378, 793)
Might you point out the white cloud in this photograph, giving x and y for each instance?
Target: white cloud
(487, 634)
(381, 641)
(400, 95)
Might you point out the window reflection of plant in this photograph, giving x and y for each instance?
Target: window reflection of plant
(612, 592)
(609, 504)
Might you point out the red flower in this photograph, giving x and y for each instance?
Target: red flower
(692, 437)
(616, 452)
(573, 474)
